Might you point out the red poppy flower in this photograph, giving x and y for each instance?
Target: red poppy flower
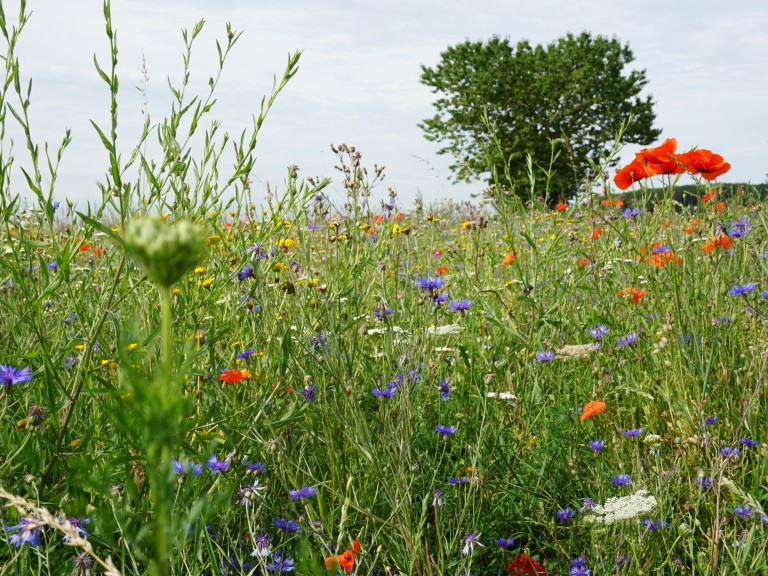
(719, 241)
(508, 259)
(562, 206)
(704, 162)
(345, 560)
(524, 565)
(630, 174)
(84, 247)
(582, 262)
(633, 294)
(596, 233)
(592, 409)
(233, 376)
(442, 270)
(660, 160)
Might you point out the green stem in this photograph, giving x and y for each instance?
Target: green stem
(167, 336)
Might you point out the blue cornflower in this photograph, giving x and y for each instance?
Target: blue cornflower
(382, 311)
(437, 499)
(245, 354)
(308, 393)
(597, 445)
(628, 340)
(587, 504)
(263, 545)
(384, 393)
(470, 540)
(217, 466)
(632, 432)
(440, 298)
(447, 430)
(286, 525)
(280, 564)
(661, 249)
(70, 362)
(621, 480)
(10, 376)
(743, 511)
(303, 492)
(579, 567)
(742, 290)
(654, 525)
(632, 213)
(720, 320)
(458, 481)
(27, 531)
(430, 283)
(78, 523)
(255, 466)
(741, 228)
(52, 266)
(711, 420)
(55, 205)
(445, 390)
(505, 542)
(747, 441)
(460, 305)
(69, 319)
(565, 515)
(246, 272)
(728, 451)
(705, 482)
(545, 356)
(598, 331)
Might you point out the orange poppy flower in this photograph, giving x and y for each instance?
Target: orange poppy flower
(592, 409)
(720, 207)
(630, 174)
(704, 162)
(345, 560)
(442, 270)
(610, 203)
(508, 259)
(660, 160)
(562, 206)
(97, 252)
(524, 565)
(399, 216)
(596, 233)
(692, 226)
(582, 262)
(84, 247)
(720, 241)
(356, 546)
(708, 197)
(233, 375)
(634, 294)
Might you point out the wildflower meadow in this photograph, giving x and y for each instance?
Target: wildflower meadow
(198, 380)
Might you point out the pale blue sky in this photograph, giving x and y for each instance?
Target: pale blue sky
(359, 75)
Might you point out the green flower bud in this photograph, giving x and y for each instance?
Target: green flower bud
(164, 251)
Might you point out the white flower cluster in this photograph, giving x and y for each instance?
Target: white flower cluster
(508, 396)
(625, 507)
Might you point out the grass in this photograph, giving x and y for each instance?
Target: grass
(322, 398)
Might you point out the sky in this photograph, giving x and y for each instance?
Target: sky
(358, 79)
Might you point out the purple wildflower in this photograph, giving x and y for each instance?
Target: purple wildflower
(303, 492)
(10, 376)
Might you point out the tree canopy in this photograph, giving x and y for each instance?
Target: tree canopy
(574, 92)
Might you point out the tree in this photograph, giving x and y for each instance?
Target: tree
(498, 103)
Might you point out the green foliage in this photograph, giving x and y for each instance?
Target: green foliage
(500, 103)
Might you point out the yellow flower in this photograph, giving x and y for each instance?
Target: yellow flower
(176, 292)
(286, 243)
(207, 283)
(165, 216)
(80, 347)
(21, 424)
(278, 266)
(396, 229)
(131, 346)
(312, 281)
(74, 443)
(200, 271)
(213, 239)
